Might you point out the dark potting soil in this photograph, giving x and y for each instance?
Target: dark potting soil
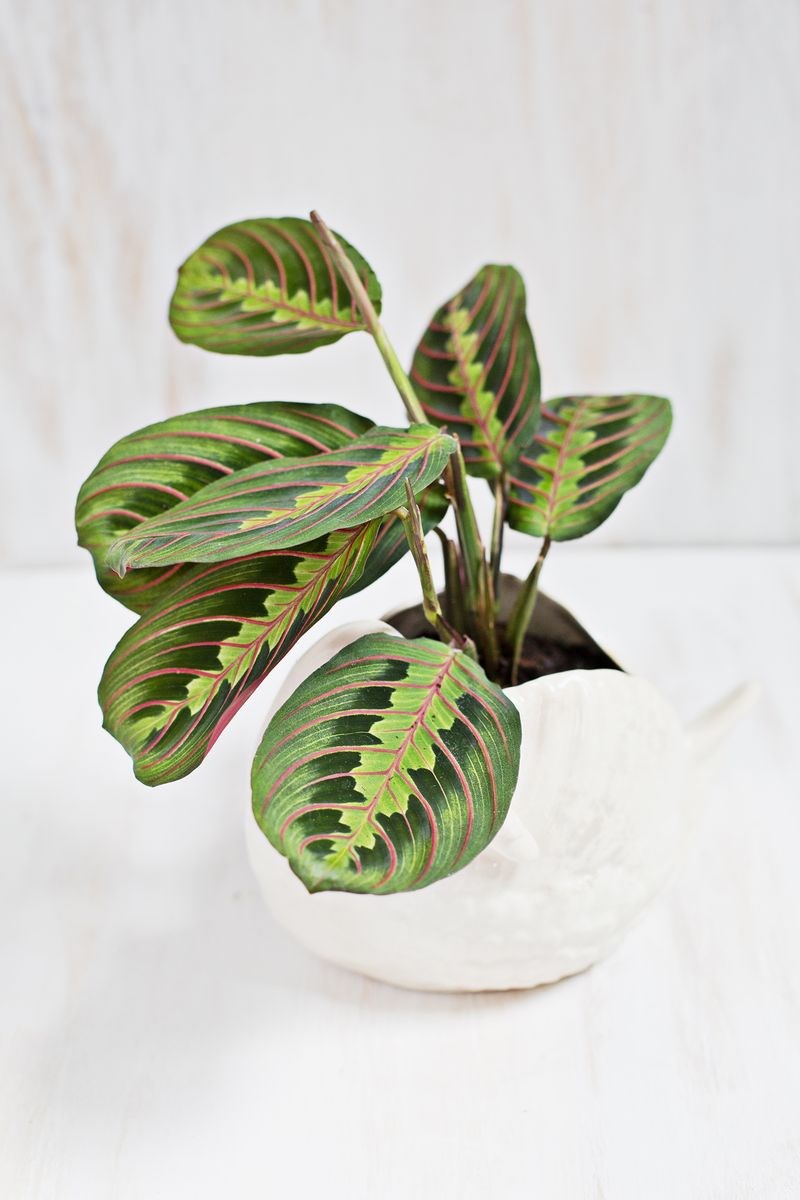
(557, 641)
(547, 656)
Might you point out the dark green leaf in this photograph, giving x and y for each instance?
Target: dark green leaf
(476, 371)
(588, 452)
(150, 471)
(179, 675)
(267, 286)
(390, 767)
(278, 505)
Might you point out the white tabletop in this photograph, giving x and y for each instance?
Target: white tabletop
(162, 1038)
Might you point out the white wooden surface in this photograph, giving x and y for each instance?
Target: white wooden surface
(638, 159)
(160, 1039)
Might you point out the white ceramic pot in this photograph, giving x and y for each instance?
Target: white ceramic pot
(606, 796)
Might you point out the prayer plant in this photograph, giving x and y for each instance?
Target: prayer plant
(231, 531)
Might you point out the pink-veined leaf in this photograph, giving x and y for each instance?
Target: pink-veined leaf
(588, 452)
(476, 371)
(230, 624)
(389, 768)
(155, 468)
(267, 286)
(283, 504)
(181, 672)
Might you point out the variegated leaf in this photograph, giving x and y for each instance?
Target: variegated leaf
(588, 452)
(179, 675)
(390, 767)
(476, 371)
(152, 470)
(283, 504)
(267, 286)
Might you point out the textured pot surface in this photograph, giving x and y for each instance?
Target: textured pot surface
(604, 800)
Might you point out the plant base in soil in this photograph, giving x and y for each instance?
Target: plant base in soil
(555, 641)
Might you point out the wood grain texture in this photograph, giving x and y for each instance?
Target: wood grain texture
(638, 162)
(160, 1038)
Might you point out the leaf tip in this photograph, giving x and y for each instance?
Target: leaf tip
(118, 558)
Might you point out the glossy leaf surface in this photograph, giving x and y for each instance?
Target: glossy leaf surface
(476, 370)
(267, 286)
(179, 675)
(282, 504)
(390, 767)
(150, 471)
(588, 452)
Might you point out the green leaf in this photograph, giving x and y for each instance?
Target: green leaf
(150, 471)
(219, 630)
(476, 371)
(267, 286)
(278, 505)
(588, 452)
(390, 767)
(180, 673)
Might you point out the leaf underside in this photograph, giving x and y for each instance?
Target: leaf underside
(588, 452)
(389, 768)
(283, 504)
(150, 471)
(267, 286)
(180, 673)
(476, 371)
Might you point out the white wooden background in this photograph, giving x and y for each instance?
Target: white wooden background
(638, 160)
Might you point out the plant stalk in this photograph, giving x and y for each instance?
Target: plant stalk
(478, 587)
(412, 524)
(477, 578)
(498, 527)
(523, 611)
(469, 534)
(453, 583)
(359, 292)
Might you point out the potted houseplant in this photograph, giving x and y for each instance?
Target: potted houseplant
(403, 772)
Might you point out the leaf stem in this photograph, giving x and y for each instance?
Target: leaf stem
(453, 583)
(412, 524)
(498, 526)
(360, 295)
(523, 611)
(469, 534)
(478, 584)
(478, 587)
